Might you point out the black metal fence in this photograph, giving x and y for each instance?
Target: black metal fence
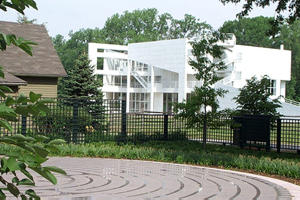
(90, 120)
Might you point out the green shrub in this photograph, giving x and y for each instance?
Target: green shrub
(61, 125)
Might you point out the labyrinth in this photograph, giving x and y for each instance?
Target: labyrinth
(109, 179)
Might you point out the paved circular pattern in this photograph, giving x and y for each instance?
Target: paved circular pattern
(94, 179)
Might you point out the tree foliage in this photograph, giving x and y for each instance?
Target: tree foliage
(17, 5)
(201, 109)
(292, 7)
(80, 81)
(251, 31)
(25, 152)
(290, 37)
(254, 98)
(147, 25)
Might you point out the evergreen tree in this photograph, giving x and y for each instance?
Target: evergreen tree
(82, 87)
(80, 81)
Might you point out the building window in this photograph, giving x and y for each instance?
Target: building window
(157, 79)
(116, 64)
(188, 96)
(168, 101)
(272, 87)
(124, 81)
(100, 64)
(116, 95)
(120, 81)
(134, 83)
(145, 68)
(139, 102)
(117, 81)
(137, 66)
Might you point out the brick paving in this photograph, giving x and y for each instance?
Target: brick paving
(112, 179)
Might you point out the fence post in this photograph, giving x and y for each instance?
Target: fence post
(166, 126)
(278, 145)
(75, 126)
(123, 119)
(24, 125)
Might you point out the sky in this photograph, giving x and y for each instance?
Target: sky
(62, 16)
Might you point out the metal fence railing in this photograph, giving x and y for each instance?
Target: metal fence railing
(92, 120)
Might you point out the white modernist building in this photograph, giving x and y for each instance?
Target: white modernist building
(153, 75)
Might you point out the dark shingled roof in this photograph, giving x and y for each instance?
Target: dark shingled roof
(44, 62)
(11, 80)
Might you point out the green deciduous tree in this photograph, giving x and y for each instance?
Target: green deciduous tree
(25, 152)
(147, 25)
(201, 109)
(136, 26)
(283, 7)
(188, 27)
(251, 31)
(290, 37)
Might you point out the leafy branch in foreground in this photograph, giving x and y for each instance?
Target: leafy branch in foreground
(27, 153)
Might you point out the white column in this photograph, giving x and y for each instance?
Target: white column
(282, 88)
(152, 90)
(182, 76)
(92, 52)
(278, 92)
(182, 84)
(128, 86)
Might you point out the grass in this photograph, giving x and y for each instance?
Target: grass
(284, 165)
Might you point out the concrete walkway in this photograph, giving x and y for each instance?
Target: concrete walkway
(110, 179)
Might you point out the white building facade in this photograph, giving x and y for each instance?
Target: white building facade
(150, 76)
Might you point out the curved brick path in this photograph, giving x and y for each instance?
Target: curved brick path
(95, 179)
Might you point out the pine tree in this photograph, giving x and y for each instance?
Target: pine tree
(81, 82)
(82, 88)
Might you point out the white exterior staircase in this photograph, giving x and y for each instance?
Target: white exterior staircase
(139, 78)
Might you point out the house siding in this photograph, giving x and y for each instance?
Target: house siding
(47, 86)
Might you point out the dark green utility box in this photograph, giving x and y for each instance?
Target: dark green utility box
(252, 128)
